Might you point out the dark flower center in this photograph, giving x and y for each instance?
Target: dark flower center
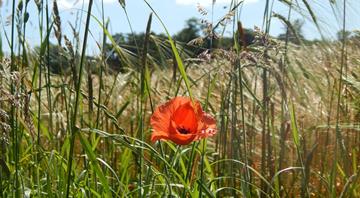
(182, 130)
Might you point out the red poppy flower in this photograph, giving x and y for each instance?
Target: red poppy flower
(181, 121)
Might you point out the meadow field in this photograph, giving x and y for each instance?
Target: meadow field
(152, 115)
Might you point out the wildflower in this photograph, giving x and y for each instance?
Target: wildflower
(181, 121)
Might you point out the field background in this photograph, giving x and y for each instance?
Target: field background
(74, 124)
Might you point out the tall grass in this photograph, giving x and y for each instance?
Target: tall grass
(287, 115)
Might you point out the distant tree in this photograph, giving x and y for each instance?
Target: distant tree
(62, 61)
(343, 35)
(223, 43)
(159, 48)
(58, 59)
(191, 31)
(228, 42)
(134, 43)
(119, 37)
(294, 33)
(249, 37)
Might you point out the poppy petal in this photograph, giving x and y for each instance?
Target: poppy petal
(176, 137)
(182, 121)
(185, 118)
(182, 139)
(207, 126)
(158, 135)
(160, 120)
(175, 103)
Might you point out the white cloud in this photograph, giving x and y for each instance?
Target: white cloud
(208, 2)
(68, 4)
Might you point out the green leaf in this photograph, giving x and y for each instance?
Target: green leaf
(95, 165)
(176, 54)
(294, 128)
(206, 189)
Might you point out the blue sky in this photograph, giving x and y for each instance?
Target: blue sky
(175, 12)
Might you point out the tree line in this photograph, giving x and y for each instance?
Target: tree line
(191, 41)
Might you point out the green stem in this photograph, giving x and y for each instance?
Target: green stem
(13, 108)
(203, 152)
(74, 129)
(189, 167)
(48, 83)
(338, 137)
